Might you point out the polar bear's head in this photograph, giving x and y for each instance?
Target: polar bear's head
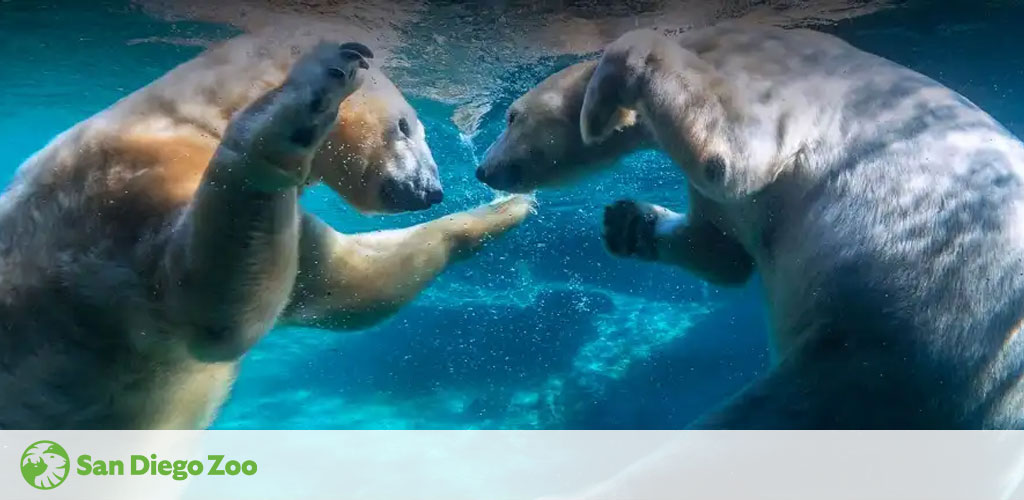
(541, 145)
(377, 156)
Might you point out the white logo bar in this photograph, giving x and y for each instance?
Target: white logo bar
(511, 465)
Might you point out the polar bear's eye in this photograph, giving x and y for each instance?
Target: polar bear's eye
(403, 126)
(512, 117)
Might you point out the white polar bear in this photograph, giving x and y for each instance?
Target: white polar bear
(145, 250)
(884, 212)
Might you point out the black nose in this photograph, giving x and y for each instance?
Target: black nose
(409, 196)
(401, 196)
(504, 177)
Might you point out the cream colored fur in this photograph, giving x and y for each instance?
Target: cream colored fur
(146, 249)
(883, 211)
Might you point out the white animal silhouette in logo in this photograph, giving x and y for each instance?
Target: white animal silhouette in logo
(47, 453)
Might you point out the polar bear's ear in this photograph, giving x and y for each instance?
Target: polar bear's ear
(595, 132)
(623, 119)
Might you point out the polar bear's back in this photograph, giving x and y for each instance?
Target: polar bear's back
(806, 90)
(899, 225)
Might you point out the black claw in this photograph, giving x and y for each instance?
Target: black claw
(337, 73)
(358, 48)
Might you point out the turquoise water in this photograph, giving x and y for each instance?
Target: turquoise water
(541, 330)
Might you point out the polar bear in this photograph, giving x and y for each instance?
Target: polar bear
(146, 249)
(883, 211)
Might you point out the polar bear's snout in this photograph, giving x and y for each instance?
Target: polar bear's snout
(411, 180)
(503, 167)
(411, 195)
(501, 176)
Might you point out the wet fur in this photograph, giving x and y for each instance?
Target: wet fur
(109, 318)
(884, 212)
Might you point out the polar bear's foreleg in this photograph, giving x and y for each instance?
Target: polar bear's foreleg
(689, 109)
(348, 282)
(654, 233)
(843, 374)
(231, 259)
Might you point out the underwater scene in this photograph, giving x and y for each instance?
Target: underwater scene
(543, 328)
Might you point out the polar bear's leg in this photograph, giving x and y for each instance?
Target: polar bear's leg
(687, 105)
(231, 259)
(812, 398)
(848, 377)
(787, 399)
(349, 282)
(650, 232)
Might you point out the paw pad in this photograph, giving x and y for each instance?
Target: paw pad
(629, 230)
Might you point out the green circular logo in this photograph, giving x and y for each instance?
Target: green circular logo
(44, 465)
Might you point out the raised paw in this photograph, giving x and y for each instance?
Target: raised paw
(470, 229)
(616, 84)
(286, 126)
(330, 71)
(319, 81)
(508, 211)
(630, 229)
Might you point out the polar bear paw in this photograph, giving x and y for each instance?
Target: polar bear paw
(630, 229)
(280, 132)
